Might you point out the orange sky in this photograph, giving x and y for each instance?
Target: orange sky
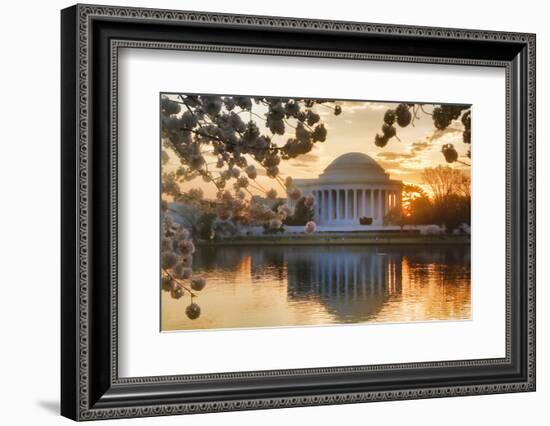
(354, 131)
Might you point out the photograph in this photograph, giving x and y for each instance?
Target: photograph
(292, 211)
(279, 207)
(289, 202)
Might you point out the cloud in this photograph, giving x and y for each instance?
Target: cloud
(352, 107)
(389, 156)
(417, 147)
(302, 165)
(439, 134)
(309, 158)
(423, 150)
(305, 162)
(401, 171)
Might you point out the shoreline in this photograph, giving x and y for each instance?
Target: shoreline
(374, 238)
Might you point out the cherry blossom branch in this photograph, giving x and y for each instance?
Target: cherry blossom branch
(183, 286)
(423, 110)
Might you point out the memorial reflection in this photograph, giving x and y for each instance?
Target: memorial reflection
(352, 284)
(307, 285)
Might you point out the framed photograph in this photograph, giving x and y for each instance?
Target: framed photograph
(263, 212)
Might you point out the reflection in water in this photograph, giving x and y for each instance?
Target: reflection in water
(313, 285)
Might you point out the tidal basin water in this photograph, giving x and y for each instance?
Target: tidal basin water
(279, 286)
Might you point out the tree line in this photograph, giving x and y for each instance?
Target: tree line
(447, 204)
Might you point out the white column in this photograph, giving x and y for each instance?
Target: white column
(364, 202)
(342, 204)
(352, 213)
(329, 199)
(372, 204)
(327, 204)
(323, 206)
(380, 212)
(399, 201)
(352, 205)
(346, 206)
(337, 216)
(330, 204)
(316, 205)
(341, 209)
(323, 203)
(355, 204)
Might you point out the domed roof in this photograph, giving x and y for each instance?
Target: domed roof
(354, 165)
(355, 160)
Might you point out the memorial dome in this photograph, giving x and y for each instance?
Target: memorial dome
(354, 166)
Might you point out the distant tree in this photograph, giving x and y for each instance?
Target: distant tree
(463, 186)
(189, 214)
(444, 181)
(416, 208)
(452, 211)
(302, 214)
(409, 193)
(396, 216)
(451, 196)
(205, 226)
(272, 230)
(422, 211)
(277, 204)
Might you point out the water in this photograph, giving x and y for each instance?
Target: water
(278, 286)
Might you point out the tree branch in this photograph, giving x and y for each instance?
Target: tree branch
(179, 283)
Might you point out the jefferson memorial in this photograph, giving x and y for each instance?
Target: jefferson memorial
(352, 189)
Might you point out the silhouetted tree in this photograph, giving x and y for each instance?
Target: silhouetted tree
(302, 214)
(451, 196)
(444, 181)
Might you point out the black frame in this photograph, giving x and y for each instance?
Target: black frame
(91, 37)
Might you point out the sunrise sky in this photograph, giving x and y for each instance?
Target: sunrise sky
(354, 131)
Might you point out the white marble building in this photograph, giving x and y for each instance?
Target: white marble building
(353, 186)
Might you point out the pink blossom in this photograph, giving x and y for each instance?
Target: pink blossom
(309, 201)
(272, 194)
(235, 171)
(224, 215)
(284, 210)
(310, 227)
(187, 247)
(251, 172)
(198, 283)
(275, 223)
(295, 194)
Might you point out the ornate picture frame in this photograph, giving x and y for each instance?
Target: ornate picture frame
(91, 39)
